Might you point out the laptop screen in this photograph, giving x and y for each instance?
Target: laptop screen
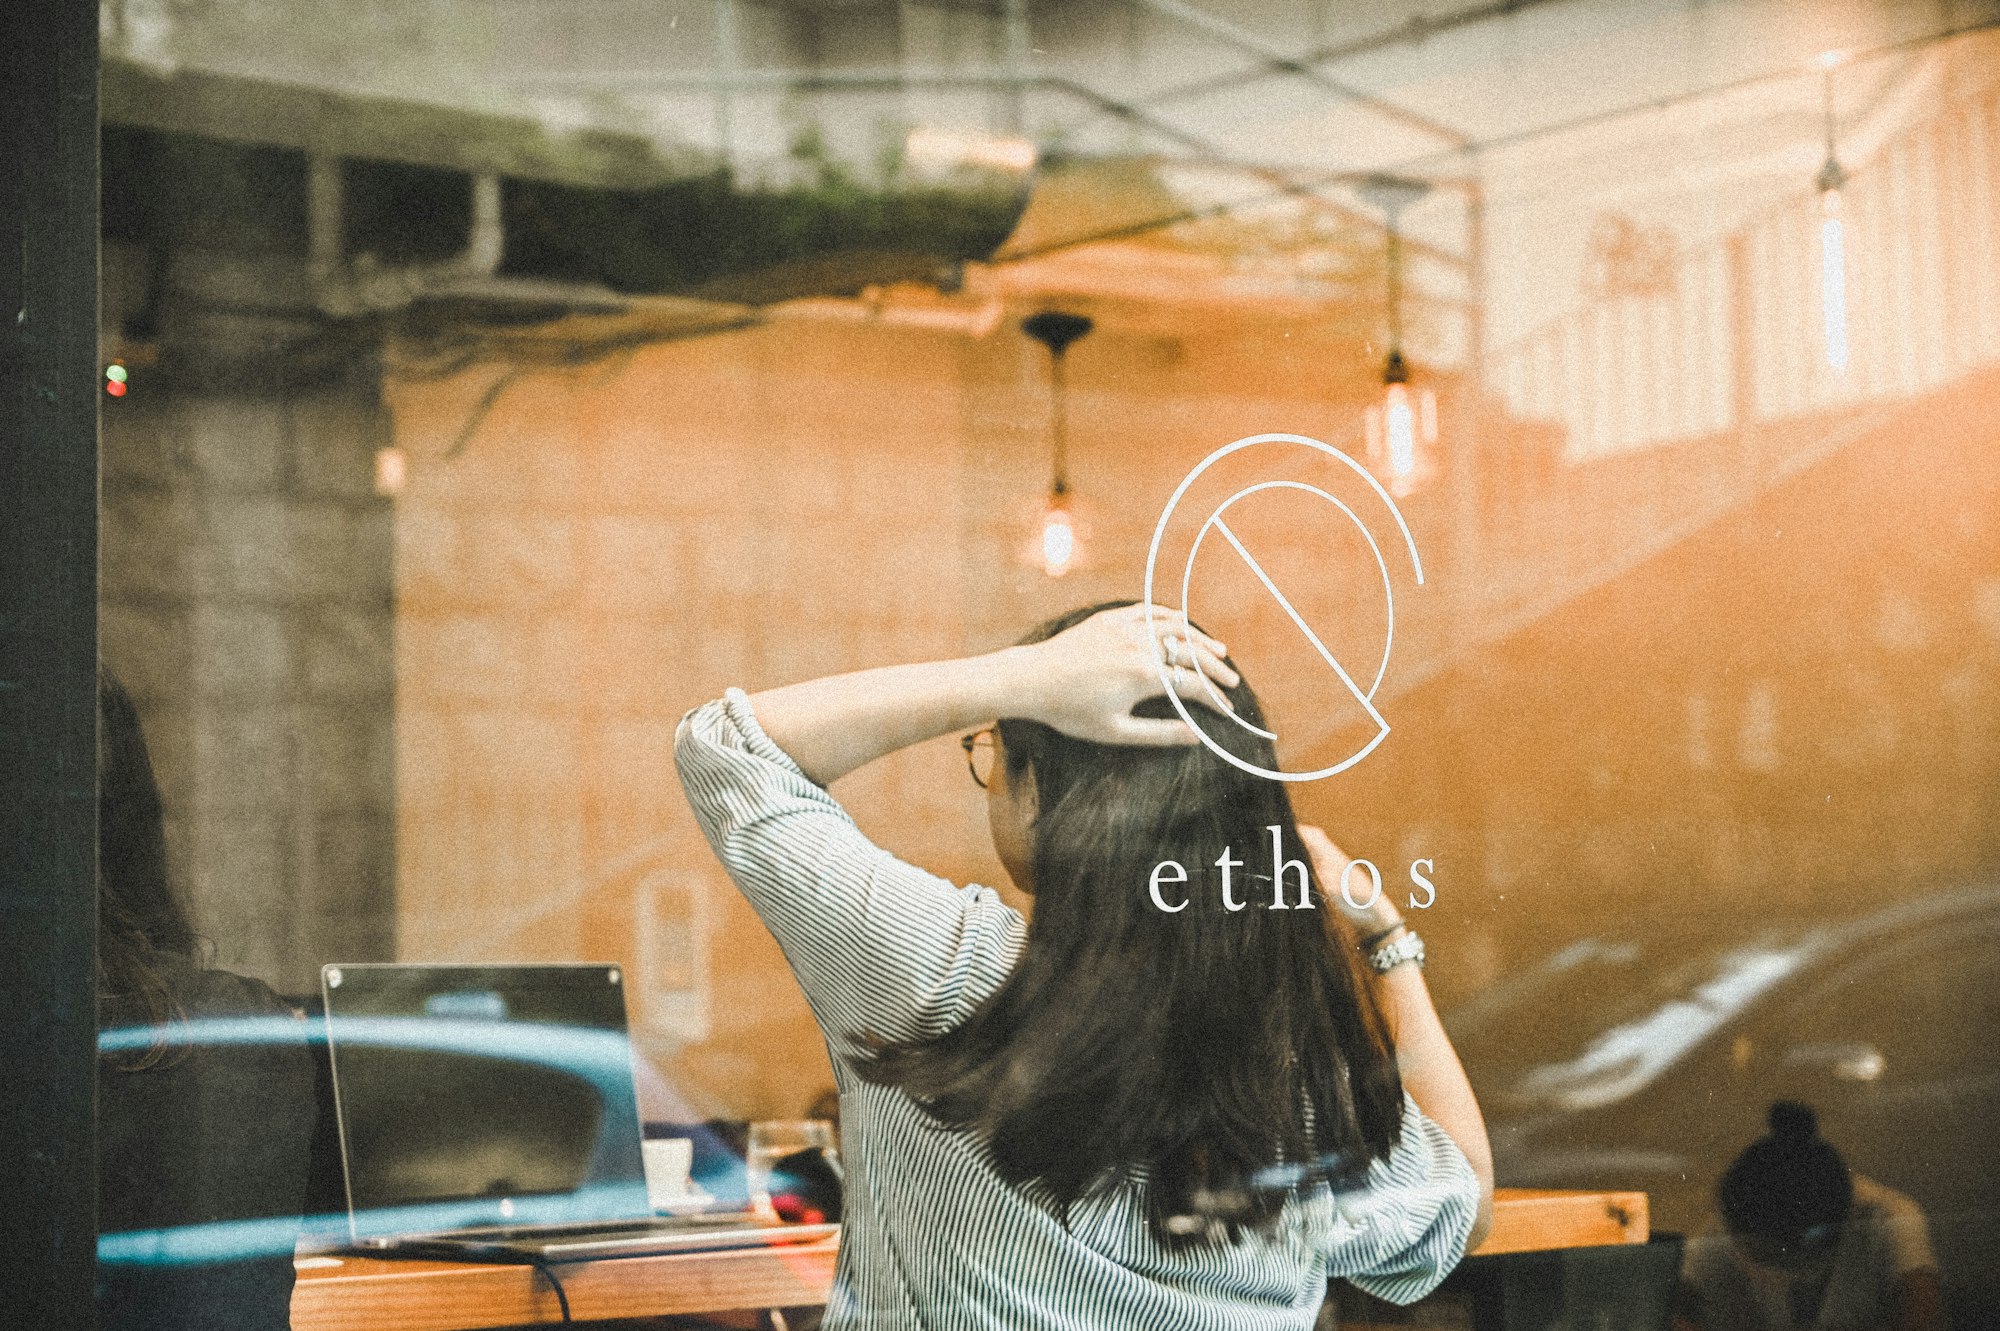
(483, 1095)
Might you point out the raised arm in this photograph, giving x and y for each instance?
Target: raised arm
(1084, 682)
(882, 948)
(1429, 1065)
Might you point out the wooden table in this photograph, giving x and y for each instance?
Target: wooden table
(1537, 1220)
(373, 1294)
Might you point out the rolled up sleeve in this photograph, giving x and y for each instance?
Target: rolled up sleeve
(881, 948)
(1406, 1229)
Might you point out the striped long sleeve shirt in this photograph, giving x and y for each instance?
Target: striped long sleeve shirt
(932, 1237)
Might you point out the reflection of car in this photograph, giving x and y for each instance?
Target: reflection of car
(1648, 1063)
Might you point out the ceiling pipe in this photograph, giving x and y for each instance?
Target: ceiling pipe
(342, 289)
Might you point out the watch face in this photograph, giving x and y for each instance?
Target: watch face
(1407, 948)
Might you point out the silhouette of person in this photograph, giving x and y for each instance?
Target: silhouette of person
(1807, 1244)
(206, 1092)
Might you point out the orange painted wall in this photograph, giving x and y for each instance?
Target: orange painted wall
(617, 544)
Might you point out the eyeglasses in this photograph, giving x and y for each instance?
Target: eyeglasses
(978, 748)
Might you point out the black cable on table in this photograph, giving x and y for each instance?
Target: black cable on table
(494, 1253)
(548, 1270)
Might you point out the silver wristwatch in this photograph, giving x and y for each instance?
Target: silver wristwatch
(1397, 951)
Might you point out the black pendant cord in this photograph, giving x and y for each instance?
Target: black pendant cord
(1059, 402)
(1831, 175)
(1055, 330)
(1392, 194)
(1394, 262)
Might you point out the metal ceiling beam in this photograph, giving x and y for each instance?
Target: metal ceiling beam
(889, 79)
(1283, 182)
(1279, 61)
(1419, 28)
(1784, 74)
(1470, 186)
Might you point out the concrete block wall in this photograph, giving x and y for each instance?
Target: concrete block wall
(246, 602)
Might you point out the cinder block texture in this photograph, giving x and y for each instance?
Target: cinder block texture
(246, 589)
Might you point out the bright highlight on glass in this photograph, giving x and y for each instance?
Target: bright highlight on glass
(945, 149)
(1832, 231)
(392, 470)
(1400, 428)
(1395, 429)
(1833, 279)
(1058, 542)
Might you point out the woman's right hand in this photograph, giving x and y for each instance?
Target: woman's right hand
(1085, 680)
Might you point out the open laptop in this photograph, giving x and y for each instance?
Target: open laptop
(489, 1112)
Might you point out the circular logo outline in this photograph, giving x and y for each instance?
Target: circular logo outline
(1214, 520)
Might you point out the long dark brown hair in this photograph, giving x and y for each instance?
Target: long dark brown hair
(146, 946)
(1225, 1058)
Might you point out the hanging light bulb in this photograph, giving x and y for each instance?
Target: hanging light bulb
(1399, 424)
(1404, 418)
(1058, 537)
(1058, 547)
(1832, 231)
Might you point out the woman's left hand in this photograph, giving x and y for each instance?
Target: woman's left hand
(1330, 865)
(1086, 680)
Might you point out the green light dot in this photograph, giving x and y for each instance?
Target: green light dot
(115, 373)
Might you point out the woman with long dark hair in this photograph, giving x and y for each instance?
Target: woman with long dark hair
(203, 1146)
(1178, 1098)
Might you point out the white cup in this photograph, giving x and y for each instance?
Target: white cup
(669, 1171)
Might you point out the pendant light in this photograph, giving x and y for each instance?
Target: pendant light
(1056, 330)
(1395, 427)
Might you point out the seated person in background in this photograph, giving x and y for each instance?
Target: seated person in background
(195, 1132)
(1808, 1245)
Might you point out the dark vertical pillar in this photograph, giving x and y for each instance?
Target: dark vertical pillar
(48, 662)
